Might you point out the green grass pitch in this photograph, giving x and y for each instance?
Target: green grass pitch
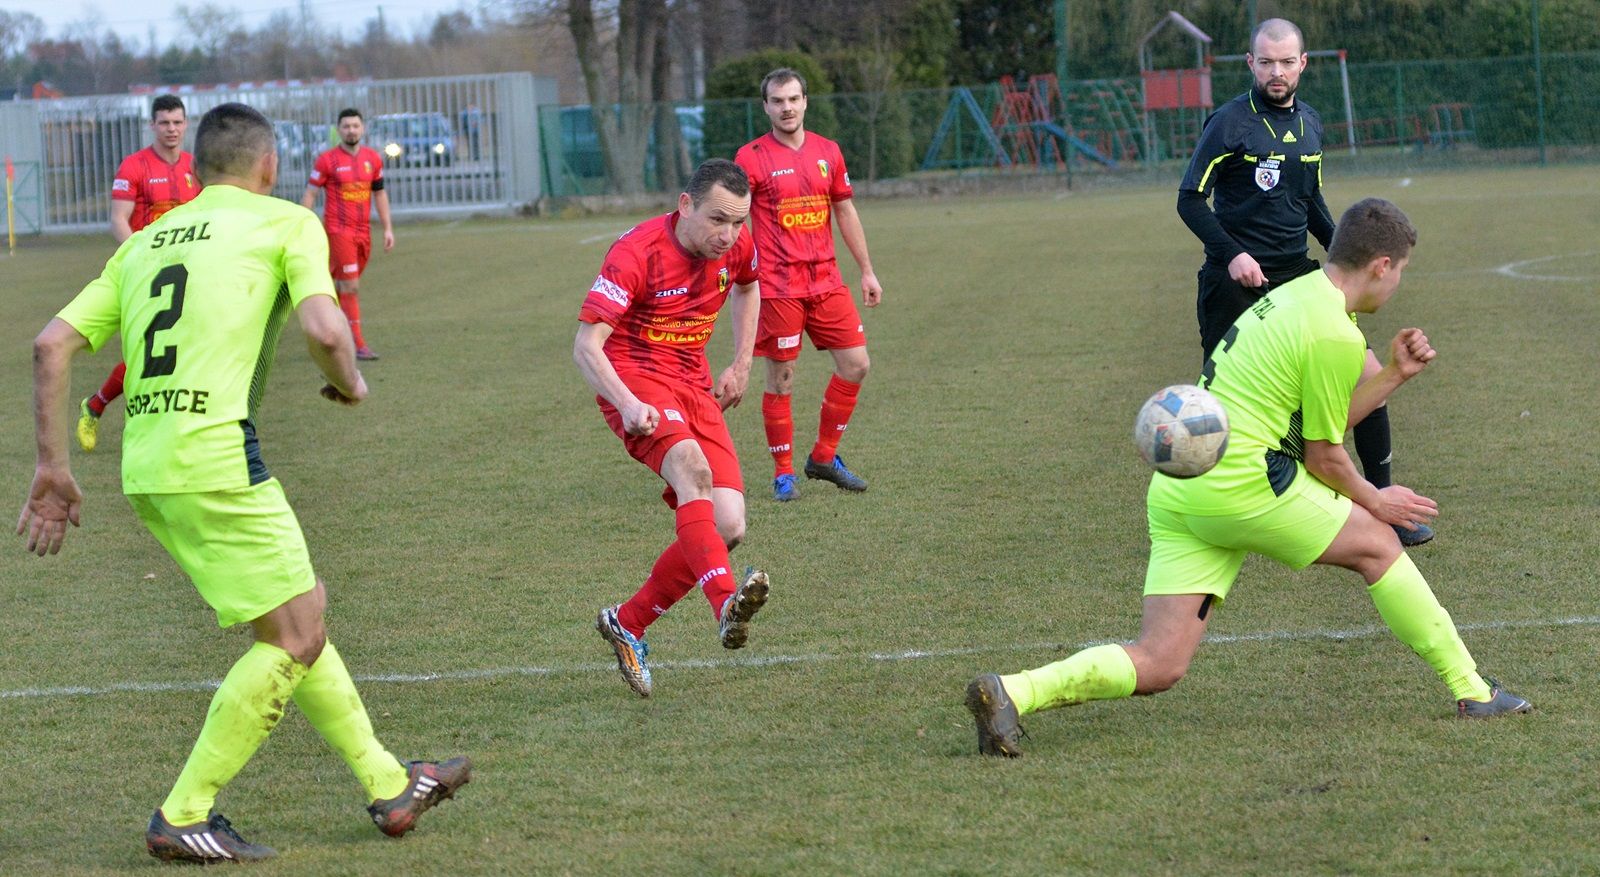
(475, 514)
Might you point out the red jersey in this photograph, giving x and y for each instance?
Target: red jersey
(662, 301)
(153, 185)
(348, 182)
(792, 192)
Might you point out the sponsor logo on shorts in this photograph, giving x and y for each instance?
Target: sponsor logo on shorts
(672, 414)
(611, 291)
(350, 268)
(787, 341)
(711, 574)
(121, 186)
(669, 293)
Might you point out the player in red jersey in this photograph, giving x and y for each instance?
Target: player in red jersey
(352, 174)
(798, 182)
(148, 183)
(641, 345)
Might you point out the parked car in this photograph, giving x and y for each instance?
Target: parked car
(413, 139)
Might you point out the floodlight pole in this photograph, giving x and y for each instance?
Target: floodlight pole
(1538, 79)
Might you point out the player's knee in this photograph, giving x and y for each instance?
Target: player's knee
(1160, 676)
(855, 369)
(731, 531)
(306, 645)
(780, 379)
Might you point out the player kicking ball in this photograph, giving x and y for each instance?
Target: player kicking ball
(1286, 488)
(641, 345)
(200, 297)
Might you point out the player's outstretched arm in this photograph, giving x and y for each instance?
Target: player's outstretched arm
(54, 498)
(744, 310)
(332, 349)
(855, 239)
(588, 351)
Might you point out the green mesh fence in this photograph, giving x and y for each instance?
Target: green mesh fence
(1424, 111)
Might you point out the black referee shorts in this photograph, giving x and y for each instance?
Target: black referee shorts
(1222, 299)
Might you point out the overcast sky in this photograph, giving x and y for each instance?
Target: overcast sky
(132, 20)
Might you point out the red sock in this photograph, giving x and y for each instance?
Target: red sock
(837, 405)
(704, 551)
(775, 413)
(351, 305)
(109, 390)
(668, 582)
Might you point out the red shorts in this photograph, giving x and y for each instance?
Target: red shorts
(831, 319)
(686, 413)
(347, 255)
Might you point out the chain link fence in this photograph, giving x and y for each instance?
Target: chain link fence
(1430, 112)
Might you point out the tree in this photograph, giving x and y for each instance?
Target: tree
(622, 116)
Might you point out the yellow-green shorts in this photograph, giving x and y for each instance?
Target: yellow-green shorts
(242, 548)
(1201, 554)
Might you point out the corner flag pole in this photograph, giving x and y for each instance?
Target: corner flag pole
(11, 215)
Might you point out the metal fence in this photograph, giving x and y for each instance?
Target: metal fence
(449, 143)
(1413, 111)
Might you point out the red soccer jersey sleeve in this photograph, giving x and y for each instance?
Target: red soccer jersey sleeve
(791, 210)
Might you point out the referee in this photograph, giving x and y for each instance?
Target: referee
(1260, 158)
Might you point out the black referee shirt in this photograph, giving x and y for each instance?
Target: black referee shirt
(1262, 167)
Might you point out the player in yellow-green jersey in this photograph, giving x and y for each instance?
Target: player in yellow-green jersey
(1287, 373)
(200, 297)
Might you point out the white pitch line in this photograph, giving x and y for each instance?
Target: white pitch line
(597, 238)
(1514, 269)
(778, 660)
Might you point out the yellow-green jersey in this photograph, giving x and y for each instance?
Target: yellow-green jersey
(1284, 373)
(200, 297)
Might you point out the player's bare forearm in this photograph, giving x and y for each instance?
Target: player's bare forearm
(855, 237)
(1331, 465)
(53, 350)
(745, 309)
(121, 220)
(1373, 392)
(331, 346)
(588, 352)
(309, 199)
(381, 201)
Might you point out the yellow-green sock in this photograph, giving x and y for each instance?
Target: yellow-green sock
(244, 711)
(328, 697)
(1409, 608)
(1097, 673)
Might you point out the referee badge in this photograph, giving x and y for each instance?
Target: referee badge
(1267, 174)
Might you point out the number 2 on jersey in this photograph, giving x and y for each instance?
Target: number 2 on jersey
(155, 365)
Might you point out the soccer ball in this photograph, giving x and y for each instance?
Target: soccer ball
(1181, 431)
